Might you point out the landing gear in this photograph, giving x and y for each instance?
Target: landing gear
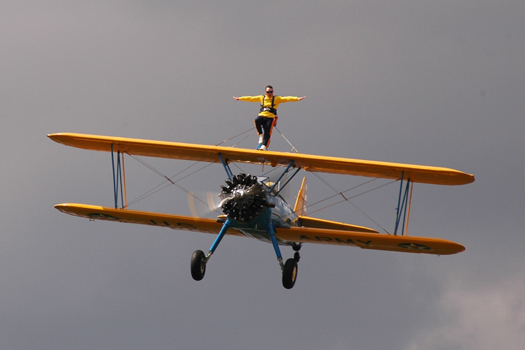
(198, 265)
(290, 268)
(289, 273)
(199, 260)
(296, 247)
(243, 200)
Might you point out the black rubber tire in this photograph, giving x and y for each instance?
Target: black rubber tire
(198, 265)
(289, 273)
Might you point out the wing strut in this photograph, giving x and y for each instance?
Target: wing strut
(226, 167)
(403, 205)
(119, 179)
(284, 172)
(286, 183)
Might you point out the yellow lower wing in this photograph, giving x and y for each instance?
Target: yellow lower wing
(407, 244)
(177, 222)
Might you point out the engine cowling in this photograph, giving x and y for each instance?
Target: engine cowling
(244, 198)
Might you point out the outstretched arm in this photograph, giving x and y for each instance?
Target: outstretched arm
(284, 99)
(248, 98)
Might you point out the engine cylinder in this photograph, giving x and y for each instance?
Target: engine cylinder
(244, 198)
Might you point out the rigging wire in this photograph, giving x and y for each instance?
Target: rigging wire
(341, 193)
(337, 193)
(345, 199)
(170, 180)
(284, 137)
(326, 182)
(348, 190)
(231, 138)
(241, 140)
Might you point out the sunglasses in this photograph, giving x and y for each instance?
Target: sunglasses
(269, 92)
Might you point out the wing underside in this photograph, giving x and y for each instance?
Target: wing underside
(308, 162)
(342, 237)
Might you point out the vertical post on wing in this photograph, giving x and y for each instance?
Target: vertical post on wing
(409, 206)
(399, 201)
(125, 203)
(118, 182)
(403, 204)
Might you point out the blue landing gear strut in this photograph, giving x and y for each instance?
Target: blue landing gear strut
(289, 269)
(271, 231)
(199, 260)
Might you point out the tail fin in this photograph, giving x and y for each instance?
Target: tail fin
(300, 203)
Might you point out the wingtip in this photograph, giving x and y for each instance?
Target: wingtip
(54, 136)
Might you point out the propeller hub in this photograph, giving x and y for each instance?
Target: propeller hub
(244, 198)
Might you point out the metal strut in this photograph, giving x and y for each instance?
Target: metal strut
(119, 184)
(280, 177)
(226, 167)
(403, 204)
(271, 231)
(229, 222)
(286, 183)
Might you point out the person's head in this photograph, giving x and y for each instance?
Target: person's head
(269, 90)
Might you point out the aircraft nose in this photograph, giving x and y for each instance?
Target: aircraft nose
(243, 199)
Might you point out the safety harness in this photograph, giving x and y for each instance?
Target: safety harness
(268, 109)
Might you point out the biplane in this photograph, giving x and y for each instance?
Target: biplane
(253, 206)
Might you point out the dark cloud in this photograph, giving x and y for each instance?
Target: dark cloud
(437, 84)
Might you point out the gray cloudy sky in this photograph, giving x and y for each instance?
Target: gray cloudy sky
(435, 83)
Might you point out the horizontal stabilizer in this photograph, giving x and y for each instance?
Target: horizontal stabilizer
(332, 225)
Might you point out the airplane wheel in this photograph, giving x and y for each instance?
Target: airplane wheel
(289, 273)
(198, 265)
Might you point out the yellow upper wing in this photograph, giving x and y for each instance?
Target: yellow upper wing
(342, 236)
(308, 162)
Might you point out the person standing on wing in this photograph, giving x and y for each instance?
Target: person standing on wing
(267, 117)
